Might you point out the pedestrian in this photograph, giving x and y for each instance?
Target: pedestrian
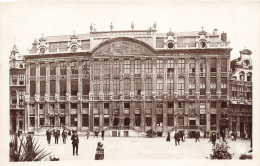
(177, 138)
(210, 136)
(99, 152)
(64, 136)
(102, 134)
(29, 142)
(235, 136)
(214, 137)
(87, 134)
(57, 134)
(181, 135)
(75, 142)
(232, 136)
(96, 133)
(168, 137)
(217, 135)
(48, 133)
(197, 136)
(69, 133)
(223, 135)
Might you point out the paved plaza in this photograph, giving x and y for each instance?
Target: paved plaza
(117, 148)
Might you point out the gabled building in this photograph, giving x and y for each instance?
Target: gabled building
(128, 81)
(241, 94)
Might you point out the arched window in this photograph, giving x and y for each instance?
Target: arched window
(249, 76)
(14, 97)
(246, 64)
(242, 76)
(74, 48)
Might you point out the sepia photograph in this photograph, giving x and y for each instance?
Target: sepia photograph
(129, 82)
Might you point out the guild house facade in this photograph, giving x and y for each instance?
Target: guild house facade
(128, 82)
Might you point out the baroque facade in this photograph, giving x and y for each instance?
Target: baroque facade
(128, 81)
(241, 94)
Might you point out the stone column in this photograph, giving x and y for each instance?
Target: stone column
(91, 116)
(218, 112)
(36, 115)
(79, 116)
(68, 91)
(57, 77)
(37, 78)
(79, 95)
(143, 116)
(238, 125)
(26, 117)
(101, 116)
(143, 124)
(175, 106)
(132, 113)
(47, 78)
(208, 115)
(111, 105)
(165, 110)
(154, 115)
(186, 89)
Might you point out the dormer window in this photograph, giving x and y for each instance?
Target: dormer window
(202, 44)
(74, 48)
(42, 50)
(170, 45)
(246, 64)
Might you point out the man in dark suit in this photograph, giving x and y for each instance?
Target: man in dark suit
(214, 137)
(48, 133)
(102, 134)
(197, 136)
(75, 142)
(177, 138)
(57, 134)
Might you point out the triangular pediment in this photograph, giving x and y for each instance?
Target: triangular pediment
(122, 46)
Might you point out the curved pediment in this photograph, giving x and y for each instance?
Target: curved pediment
(122, 46)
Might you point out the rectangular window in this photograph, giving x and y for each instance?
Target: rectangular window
(224, 86)
(85, 67)
(159, 119)
(148, 87)
(96, 67)
(74, 68)
(138, 86)
(213, 65)
(192, 106)
(116, 66)
(42, 120)
(202, 86)
(52, 87)
(21, 79)
(159, 86)
(62, 106)
(202, 119)
(127, 86)
(85, 105)
(85, 120)
(106, 67)
(96, 120)
(148, 66)
(52, 69)
(181, 86)
(85, 86)
(63, 87)
(181, 65)
(106, 86)
(192, 86)
(14, 97)
(170, 104)
(21, 97)
(126, 66)
(42, 88)
(32, 70)
(213, 119)
(96, 87)
(137, 66)
(63, 68)
(73, 120)
(159, 66)
(148, 121)
(213, 85)
(51, 106)
(170, 68)
(126, 105)
(42, 70)
(224, 65)
(73, 106)
(74, 87)
(223, 104)
(116, 86)
(202, 67)
(106, 121)
(192, 65)
(32, 88)
(170, 120)
(170, 85)
(14, 79)
(32, 121)
(106, 105)
(180, 104)
(137, 119)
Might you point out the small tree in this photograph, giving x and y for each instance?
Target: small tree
(220, 151)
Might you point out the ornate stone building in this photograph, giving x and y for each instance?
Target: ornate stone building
(241, 94)
(128, 81)
(17, 90)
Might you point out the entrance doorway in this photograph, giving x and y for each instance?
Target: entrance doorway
(242, 129)
(20, 124)
(52, 121)
(126, 121)
(116, 122)
(62, 120)
(13, 125)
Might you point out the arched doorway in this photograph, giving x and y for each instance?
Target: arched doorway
(126, 121)
(115, 122)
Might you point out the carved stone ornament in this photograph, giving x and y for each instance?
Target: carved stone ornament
(91, 96)
(57, 96)
(187, 96)
(47, 97)
(122, 48)
(111, 96)
(175, 95)
(101, 96)
(132, 94)
(192, 114)
(37, 98)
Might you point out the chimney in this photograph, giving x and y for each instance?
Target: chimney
(215, 32)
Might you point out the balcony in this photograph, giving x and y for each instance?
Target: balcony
(213, 74)
(52, 98)
(63, 98)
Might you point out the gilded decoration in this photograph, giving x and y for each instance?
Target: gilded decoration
(122, 48)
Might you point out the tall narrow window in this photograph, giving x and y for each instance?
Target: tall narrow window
(42, 69)
(138, 86)
(213, 65)
(96, 87)
(21, 97)
(14, 79)
(74, 68)
(224, 64)
(148, 87)
(159, 86)
(202, 67)
(159, 66)
(85, 120)
(181, 86)
(148, 66)
(63, 87)
(32, 88)
(170, 85)
(14, 97)
(170, 68)
(126, 66)
(106, 67)
(137, 66)
(192, 65)
(96, 67)
(74, 87)
(127, 86)
(63, 68)
(116, 66)
(192, 86)
(181, 65)
(224, 86)
(106, 86)
(52, 87)
(85, 67)
(202, 86)
(21, 79)
(213, 85)
(32, 70)
(52, 69)
(42, 88)
(116, 86)
(86, 87)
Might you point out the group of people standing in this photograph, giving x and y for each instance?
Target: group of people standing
(56, 134)
(180, 136)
